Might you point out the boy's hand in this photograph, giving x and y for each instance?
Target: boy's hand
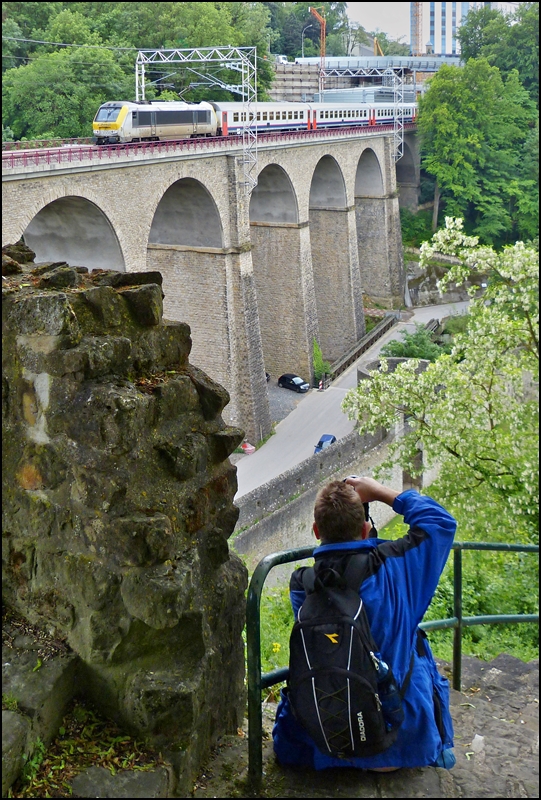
(370, 490)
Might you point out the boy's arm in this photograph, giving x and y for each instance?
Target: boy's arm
(297, 594)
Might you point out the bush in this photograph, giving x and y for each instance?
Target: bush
(414, 345)
(416, 228)
(320, 366)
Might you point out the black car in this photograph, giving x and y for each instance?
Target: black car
(293, 382)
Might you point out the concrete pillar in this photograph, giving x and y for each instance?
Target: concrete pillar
(285, 296)
(337, 280)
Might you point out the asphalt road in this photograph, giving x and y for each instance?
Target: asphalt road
(320, 412)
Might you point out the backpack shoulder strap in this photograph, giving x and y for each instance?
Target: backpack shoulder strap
(308, 579)
(356, 570)
(353, 576)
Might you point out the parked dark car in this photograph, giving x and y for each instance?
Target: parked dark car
(326, 440)
(293, 382)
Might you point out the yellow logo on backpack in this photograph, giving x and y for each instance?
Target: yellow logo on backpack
(333, 637)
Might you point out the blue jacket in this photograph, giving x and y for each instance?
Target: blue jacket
(403, 576)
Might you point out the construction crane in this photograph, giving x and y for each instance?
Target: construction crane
(322, 35)
(416, 25)
(377, 47)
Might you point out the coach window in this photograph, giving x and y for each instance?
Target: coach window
(290, 114)
(264, 116)
(295, 115)
(236, 116)
(271, 115)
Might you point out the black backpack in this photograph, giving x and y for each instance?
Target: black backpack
(333, 672)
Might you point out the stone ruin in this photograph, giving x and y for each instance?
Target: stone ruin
(118, 501)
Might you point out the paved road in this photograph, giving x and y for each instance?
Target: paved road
(320, 412)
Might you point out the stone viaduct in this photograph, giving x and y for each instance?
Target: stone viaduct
(256, 277)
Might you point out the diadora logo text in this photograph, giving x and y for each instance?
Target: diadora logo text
(333, 637)
(362, 732)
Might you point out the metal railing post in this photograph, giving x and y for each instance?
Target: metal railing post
(457, 636)
(253, 669)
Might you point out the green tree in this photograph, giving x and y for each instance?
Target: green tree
(472, 126)
(473, 412)
(70, 27)
(32, 18)
(391, 47)
(509, 42)
(413, 345)
(61, 92)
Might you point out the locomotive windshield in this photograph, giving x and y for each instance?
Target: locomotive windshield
(107, 113)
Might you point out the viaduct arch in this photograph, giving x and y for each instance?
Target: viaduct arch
(256, 280)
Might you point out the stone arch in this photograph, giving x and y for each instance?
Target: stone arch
(405, 167)
(327, 189)
(76, 230)
(407, 179)
(369, 177)
(185, 244)
(277, 244)
(334, 270)
(379, 240)
(187, 215)
(273, 199)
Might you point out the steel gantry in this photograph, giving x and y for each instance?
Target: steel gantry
(392, 76)
(241, 59)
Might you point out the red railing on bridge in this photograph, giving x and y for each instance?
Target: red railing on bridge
(69, 153)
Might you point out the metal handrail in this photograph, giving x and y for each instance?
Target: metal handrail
(11, 159)
(258, 681)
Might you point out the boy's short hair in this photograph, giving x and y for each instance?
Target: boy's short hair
(339, 513)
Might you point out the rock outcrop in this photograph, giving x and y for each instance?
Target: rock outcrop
(118, 502)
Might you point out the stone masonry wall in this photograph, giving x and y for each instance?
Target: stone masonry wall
(278, 282)
(329, 239)
(206, 316)
(117, 493)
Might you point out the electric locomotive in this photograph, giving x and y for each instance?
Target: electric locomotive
(125, 121)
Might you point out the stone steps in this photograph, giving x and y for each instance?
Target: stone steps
(496, 719)
(499, 705)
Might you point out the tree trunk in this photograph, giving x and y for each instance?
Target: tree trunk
(436, 207)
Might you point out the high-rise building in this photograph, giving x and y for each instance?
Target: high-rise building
(440, 21)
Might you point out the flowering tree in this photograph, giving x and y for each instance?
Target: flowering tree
(474, 413)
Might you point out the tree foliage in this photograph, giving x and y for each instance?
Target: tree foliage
(509, 42)
(473, 126)
(60, 92)
(472, 412)
(321, 367)
(413, 345)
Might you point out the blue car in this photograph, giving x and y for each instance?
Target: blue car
(326, 440)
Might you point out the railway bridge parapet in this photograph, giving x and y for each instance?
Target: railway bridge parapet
(257, 277)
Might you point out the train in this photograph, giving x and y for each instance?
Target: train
(153, 120)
